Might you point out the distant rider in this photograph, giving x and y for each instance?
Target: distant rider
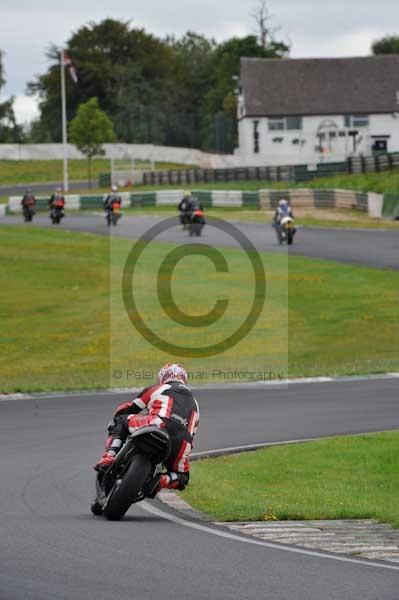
(185, 208)
(283, 210)
(113, 199)
(28, 202)
(169, 405)
(57, 200)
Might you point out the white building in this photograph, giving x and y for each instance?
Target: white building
(306, 111)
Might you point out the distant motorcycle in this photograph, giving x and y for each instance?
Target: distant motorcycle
(57, 211)
(134, 474)
(197, 223)
(285, 230)
(185, 219)
(28, 212)
(113, 214)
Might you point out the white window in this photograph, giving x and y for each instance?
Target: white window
(356, 120)
(276, 124)
(282, 123)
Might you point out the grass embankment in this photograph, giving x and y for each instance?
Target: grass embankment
(21, 172)
(58, 333)
(353, 477)
(25, 171)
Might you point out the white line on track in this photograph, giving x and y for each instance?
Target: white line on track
(220, 386)
(231, 536)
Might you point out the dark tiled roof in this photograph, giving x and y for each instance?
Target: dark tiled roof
(320, 86)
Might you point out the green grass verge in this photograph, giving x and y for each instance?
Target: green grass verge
(59, 331)
(31, 171)
(354, 477)
(349, 220)
(17, 172)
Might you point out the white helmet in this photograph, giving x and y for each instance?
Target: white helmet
(114, 188)
(283, 203)
(172, 372)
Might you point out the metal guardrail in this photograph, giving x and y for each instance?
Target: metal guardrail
(288, 173)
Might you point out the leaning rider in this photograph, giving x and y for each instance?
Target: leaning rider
(169, 405)
(28, 201)
(283, 210)
(185, 208)
(57, 199)
(112, 198)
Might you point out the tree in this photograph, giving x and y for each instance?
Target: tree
(173, 91)
(89, 130)
(122, 67)
(386, 45)
(262, 17)
(217, 99)
(10, 131)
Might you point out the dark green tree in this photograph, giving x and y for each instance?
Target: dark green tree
(176, 91)
(386, 45)
(116, 64)
(219, 99)
(89, 130)
(10, 131)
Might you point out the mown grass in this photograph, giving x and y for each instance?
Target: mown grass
(65, 326)
(355, 477)
(40, 171)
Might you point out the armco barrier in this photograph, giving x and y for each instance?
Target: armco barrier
(390, 207)
(288, 173)
(267, 199)
(315, 198)
(143, 199)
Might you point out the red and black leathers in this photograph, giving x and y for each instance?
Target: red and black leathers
(28, 200)
(171, 406)
(57, 200)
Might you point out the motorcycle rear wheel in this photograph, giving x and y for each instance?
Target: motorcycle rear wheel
(132, 483)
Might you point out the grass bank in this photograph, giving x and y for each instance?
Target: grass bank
(40, 171)
(355, 477)
(65, 326)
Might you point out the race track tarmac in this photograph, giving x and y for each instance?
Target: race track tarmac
(52, 548)
(371, 247)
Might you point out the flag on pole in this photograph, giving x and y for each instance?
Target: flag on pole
(71, 67)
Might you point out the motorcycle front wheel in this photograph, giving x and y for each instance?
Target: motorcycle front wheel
(127, 491)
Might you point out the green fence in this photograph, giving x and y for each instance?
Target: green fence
(292, 173)
(390, 207)
(138, 200)
(91, 201)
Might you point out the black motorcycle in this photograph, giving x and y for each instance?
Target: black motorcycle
(28, 212)
(134, 474)
(184, 217)
(56, 214)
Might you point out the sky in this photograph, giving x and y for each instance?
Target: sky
(314, 28)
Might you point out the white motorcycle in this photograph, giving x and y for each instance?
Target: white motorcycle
(285, 231)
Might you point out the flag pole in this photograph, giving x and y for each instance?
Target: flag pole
(64, 120)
